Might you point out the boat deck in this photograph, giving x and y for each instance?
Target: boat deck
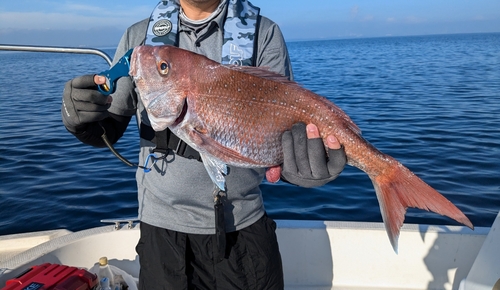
(316, 254)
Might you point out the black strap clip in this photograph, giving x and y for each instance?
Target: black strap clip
(166, 140)
(220, 227)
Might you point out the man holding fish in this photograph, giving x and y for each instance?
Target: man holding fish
(183, 244)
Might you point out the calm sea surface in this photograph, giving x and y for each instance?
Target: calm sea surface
(432, 102)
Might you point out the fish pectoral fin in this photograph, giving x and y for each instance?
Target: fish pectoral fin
(201, 130)
(216, 170)
(214, 148)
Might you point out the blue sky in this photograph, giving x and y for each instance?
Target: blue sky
(98, 23)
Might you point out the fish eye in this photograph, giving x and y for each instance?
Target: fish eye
(163, 67)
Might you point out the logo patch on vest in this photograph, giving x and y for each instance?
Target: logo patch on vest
(162, 27)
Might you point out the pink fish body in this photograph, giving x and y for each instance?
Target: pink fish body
(237, 115)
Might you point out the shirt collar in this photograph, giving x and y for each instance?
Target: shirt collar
(217, 17)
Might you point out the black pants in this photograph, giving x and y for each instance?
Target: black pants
(174, 260)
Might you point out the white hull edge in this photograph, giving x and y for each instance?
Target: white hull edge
(316, 254)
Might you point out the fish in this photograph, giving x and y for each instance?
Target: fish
(236, 116)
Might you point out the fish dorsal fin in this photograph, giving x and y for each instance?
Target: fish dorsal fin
(339, 112)
(262, 72)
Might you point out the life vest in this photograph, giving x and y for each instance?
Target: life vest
(239, 29)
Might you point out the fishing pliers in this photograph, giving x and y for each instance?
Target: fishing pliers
(120, 69)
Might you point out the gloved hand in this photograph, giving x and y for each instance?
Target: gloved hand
(305, 161)
(82, 103)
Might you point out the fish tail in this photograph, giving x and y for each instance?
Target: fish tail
(398, 188)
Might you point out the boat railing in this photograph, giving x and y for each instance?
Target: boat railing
(57, 49)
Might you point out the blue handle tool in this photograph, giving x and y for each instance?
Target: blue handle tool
(120, 69)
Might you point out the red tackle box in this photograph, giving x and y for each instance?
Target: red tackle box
(53, 277)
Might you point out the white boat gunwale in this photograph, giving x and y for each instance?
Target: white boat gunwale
(316, 254)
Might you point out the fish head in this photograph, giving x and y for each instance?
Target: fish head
(157, 74)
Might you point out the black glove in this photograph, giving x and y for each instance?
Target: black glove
(305, 162)
(82, 103)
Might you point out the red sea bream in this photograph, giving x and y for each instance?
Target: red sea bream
(236, 116)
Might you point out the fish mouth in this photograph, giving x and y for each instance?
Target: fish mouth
(157, 124)
(181, 116)
(162, 122)
(133, 66)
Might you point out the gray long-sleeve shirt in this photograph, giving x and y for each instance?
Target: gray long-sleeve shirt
(178, 193)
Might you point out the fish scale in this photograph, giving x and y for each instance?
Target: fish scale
(237, 115)
(232, 131)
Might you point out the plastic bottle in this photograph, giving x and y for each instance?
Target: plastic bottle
(105, 271)
(104, 283)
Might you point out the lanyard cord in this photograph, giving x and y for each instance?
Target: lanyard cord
(125, 160)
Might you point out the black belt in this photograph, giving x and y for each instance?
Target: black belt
(166, 140)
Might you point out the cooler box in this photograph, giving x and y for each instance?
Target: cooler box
(53, 277)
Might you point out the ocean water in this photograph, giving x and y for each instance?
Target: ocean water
(432, 102)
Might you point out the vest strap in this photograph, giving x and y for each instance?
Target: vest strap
(166, 140)
(240, 29)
